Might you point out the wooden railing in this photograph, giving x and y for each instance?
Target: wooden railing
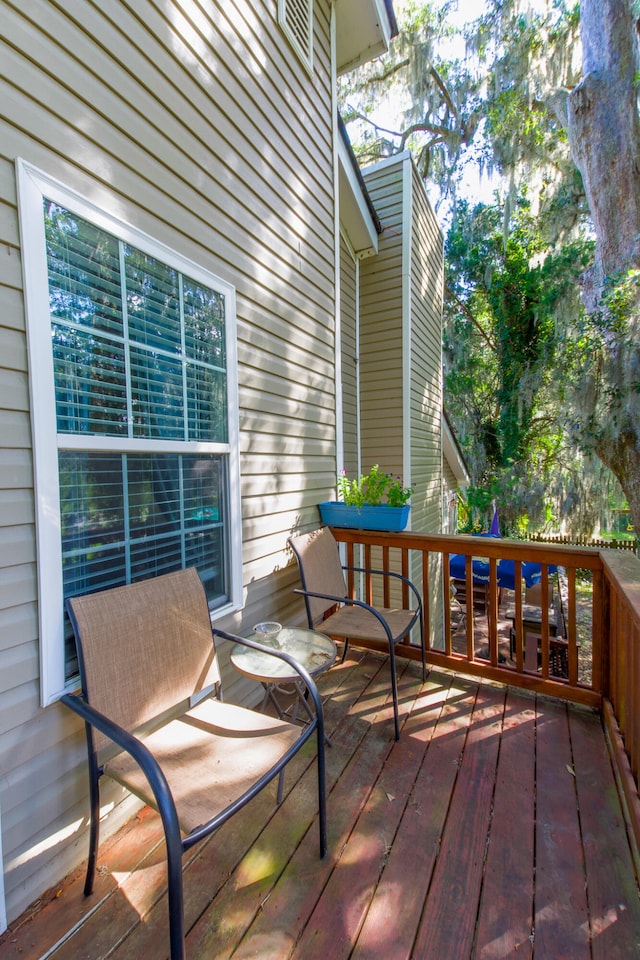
(479, 653)
(621, 690)
(601, 642)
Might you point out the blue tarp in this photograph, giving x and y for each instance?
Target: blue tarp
(531, 572)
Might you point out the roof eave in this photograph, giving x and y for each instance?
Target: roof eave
(364, 29)
(453, 453)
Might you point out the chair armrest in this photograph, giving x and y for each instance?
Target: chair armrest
(390, 573)
(141, 754)
(349, 602)
(304, 675)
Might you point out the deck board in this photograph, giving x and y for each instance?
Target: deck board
(492, 829)
(457, 880)
(505, 918)
(409, 866)
(561, 914)
(608, 865)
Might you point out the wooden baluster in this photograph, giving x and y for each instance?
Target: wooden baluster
(426, 596)
(492, 612)
(572, 627)
(468, 580)
(448, 639)
(597, 618)
(386, 593)
(519, 637)
(368, 592)
(404, 569)
(544, 633)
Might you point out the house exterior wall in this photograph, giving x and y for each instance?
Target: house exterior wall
(400, 359)
(400, 337)
(349, 287)
(425, 392)
(425, 396)
(199, 126)
(382, 305)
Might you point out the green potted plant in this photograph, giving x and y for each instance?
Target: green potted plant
(374, 501)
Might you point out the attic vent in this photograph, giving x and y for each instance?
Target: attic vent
(296, 21)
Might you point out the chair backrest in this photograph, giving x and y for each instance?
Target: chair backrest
(145, 647)
(320, 570)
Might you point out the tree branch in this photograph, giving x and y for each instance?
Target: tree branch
(490, 342)
(446, 96)
(389, 72)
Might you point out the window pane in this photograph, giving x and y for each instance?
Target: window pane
(154, 495)
(205, 550)
(206, 404)
(92, 521)
(137, 382)
(163, 555)
(203, 481)
(84, 272)
(90, 383)
(153, 303)
(157, 396)
(203, 324)
(128, 517)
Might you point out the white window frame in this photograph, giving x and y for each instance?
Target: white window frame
(33, 187)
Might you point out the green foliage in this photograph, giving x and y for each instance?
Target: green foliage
(533, 386)
(605, 350)
(506, 306)
(373, 488)
(620, 300)
(486, 102)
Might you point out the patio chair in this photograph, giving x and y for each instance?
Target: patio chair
(150, 686)
(330, 610)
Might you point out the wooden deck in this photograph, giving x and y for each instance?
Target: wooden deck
(492, 829)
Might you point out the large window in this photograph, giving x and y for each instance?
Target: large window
(132, 366)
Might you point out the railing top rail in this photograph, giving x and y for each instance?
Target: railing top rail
(494, 548)
(622, 570)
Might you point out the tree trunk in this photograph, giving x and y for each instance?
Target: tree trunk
(622, 456)
(604, 136)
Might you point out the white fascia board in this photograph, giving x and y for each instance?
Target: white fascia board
(355, 215)
(393, 160)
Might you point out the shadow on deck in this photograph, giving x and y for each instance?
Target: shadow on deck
(492, 829)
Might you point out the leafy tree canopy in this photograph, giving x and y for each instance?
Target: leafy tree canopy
(533, 383)
(503, 342)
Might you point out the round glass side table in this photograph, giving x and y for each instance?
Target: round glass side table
(313, 651)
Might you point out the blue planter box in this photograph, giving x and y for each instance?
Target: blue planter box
(381, 517)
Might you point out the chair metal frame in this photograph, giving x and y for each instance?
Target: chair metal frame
(176, 843)
(336, 625)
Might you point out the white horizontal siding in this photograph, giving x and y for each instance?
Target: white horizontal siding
(194, 123)
(401, 320)
(381, 312)
(426, 284)
(349, 288)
